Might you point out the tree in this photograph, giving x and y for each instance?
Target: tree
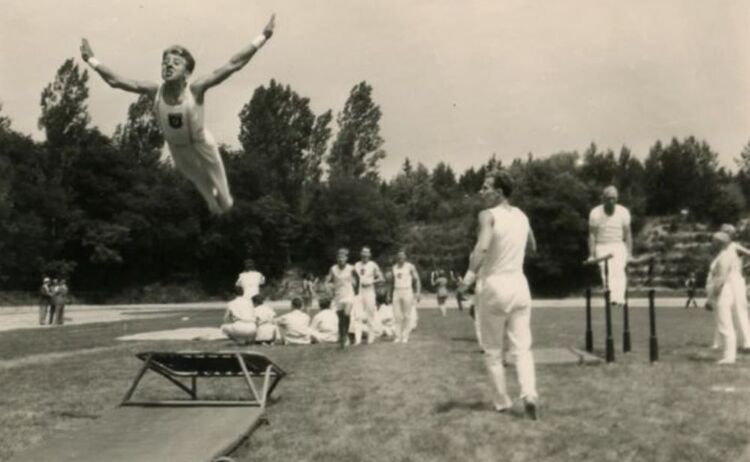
(357, 149)
(683, 174)
(64, 113)
(140, 136)
(285, 139)
(444, 181)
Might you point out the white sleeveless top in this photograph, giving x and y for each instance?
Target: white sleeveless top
(343, 281)
(510, 231)
(366, 273)
(402, 276)
(182, 124)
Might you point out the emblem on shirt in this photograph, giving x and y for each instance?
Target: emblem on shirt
(175, 120)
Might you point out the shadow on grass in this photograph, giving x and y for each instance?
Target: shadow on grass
(449, 406)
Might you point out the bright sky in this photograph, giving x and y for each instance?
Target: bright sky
(456, 80)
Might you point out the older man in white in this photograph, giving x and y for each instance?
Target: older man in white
(721, 295)
(610, 234)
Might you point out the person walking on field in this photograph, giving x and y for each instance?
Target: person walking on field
(405, 292)
(502, 292)
(345, 282)
(369, 277)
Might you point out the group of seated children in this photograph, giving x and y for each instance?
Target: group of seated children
(251, 321)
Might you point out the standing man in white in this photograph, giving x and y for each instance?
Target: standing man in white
(405, 292)
(250, 280)
(369, 276)
(721, 295)
(610, 233)
(502, 291)
(344, 279)
(178, 105)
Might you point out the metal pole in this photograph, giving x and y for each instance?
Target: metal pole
(589, 332)
(610, 343)
(653, 344)
(626, 324)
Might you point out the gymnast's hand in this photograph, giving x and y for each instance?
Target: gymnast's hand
(268, 30)
(86, 51)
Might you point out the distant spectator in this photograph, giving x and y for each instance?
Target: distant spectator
(45, 300)
(59, 300)
(309, 284)
(690, 285)
(250, 280)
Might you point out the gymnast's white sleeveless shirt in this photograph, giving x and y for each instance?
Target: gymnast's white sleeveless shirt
(510, 230)
(182, 124)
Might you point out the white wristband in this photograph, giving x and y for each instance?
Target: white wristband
(93, 62)
(259, 41)
(469, 278)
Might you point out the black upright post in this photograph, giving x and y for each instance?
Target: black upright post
(610, 343)
(653, 344)
(589, 331)
(626, 324)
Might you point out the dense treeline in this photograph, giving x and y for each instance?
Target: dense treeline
(112, 214)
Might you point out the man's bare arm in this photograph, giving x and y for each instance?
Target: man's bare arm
(483, 241)
(113, 79)
(237, 62)
(531, 242)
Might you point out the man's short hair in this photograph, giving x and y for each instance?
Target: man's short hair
(611, 189)
(729, 229)
(258, 299)
(502, 180)
(180, 50)
(324, 303)
(721, 237)
(297, 303)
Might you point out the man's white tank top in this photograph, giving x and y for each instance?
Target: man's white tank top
(182, 124)
(343, 281)
(402, 278)
(510, 231)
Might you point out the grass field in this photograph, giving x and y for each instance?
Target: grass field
(424, 401)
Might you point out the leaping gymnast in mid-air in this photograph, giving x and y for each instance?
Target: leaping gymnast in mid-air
(178, 105)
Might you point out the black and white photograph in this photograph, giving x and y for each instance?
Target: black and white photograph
(374, 230)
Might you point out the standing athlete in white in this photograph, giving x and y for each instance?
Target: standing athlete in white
(178, 105)
(610, 233)
(369, 276)
(344, 280)
(721, 295)
(250, 280)
(405, 292)
(502, 292)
